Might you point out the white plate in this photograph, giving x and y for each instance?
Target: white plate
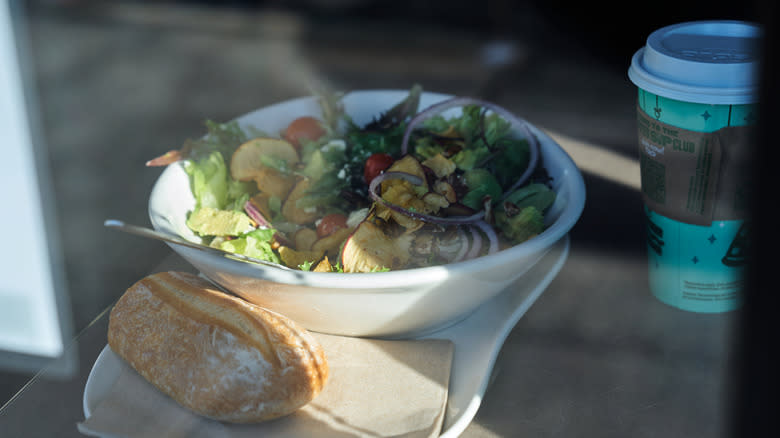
(478, 340)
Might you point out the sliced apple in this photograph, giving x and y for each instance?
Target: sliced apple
(290, 209)
(369, 249)
(261, 202)
(304, 238)
(331, 244)
(273, 182)
(250, 157)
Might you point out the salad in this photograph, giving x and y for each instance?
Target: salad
(411, 188)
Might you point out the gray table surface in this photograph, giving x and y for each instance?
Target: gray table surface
(569, 368)
(597, 354)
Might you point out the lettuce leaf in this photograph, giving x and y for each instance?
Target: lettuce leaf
(487, 142)
(533, 195)
(255, 244)
(208, 181)
(208, 221)
(521, 215)
(523, 226)
(212, 185)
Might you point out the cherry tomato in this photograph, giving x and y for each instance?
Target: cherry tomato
(330, 224)
(303, 128)
(376, 164)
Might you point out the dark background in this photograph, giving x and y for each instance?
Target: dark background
(611, 30)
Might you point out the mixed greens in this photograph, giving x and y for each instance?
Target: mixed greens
(409, 189)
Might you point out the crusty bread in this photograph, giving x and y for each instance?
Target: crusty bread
(213, 353)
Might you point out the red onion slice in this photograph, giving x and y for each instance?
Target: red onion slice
(255, 214)
(453, 220)
(464, 245)
(476, 244)
(384, 176)
(261, 221)
(435, 109)
(491, 235)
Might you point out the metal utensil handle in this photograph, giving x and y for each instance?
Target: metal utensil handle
(176, 240)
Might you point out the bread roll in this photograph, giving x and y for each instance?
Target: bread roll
(213, 353)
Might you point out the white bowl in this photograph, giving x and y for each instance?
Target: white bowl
(395, 304)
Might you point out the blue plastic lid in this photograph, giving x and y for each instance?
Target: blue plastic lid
(713, 62)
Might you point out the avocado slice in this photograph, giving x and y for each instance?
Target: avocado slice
(208, 221)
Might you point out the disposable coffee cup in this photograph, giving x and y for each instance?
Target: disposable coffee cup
(696, 107)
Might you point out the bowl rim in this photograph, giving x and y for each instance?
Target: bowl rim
(535, 246)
